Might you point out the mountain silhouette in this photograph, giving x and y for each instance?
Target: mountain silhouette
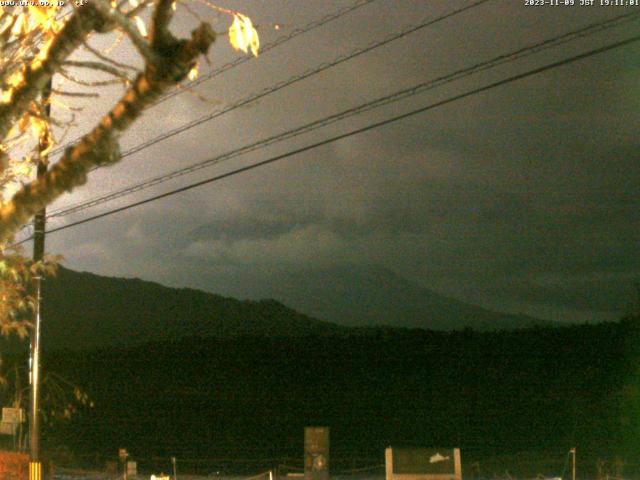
(84, 310)
(369, 296)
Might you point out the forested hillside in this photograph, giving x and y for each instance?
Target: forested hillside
(489, 393)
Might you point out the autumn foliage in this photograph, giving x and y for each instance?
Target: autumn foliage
(37, 43)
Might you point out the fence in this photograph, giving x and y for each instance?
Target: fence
(522, 466)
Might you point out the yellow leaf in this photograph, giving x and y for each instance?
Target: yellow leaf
(142, 28)
(39, 127)
(14, 81)
(19, 26)
(10, 189)
(43, 53)
(42, 14)
(24, 122)
(23, 169)
(193, 73)
(41, 131)
(242, 35)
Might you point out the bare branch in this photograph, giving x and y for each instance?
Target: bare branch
(98, 66)
(160, 34)
(199, 96)
(37, 75)
(97, 83)
(107, 59)
(100, 146)
(110, 14)
(67, 128)
(65, 93)
(138, 8)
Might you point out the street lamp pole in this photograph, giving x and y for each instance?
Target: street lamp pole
(39, 223)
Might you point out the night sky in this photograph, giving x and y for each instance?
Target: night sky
(524, 198)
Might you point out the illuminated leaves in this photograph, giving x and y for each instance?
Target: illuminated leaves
(31, 132)
(193, 73)
(15, 303)
(35, 122)
(242, 35)
(16, 276)
(45, 17)
(26, 34)
(61, 399)
(142, 28)
(26, 37)
(15, 80)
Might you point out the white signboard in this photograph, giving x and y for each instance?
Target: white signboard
(7, 428)
(12, 415)
(423, 464)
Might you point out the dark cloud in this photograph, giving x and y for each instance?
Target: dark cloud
(246, 228)
(524, 198)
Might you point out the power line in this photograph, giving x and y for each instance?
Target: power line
(406, 31)
(298, 78)
(394, 97)
(367, 128)
(240, 60)
(276, 43)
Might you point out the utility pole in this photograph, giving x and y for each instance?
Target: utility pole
(573, 454)
(122, 455)
(35, 466)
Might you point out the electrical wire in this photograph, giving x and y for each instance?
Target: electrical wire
(270, 46)
(298, 78)
(240, 60)
(367, 128)
(394, 97)
(406, 31)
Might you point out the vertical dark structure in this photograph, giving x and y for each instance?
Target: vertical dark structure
(39, 223)
(316, 453)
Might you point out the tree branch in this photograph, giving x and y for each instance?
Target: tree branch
(38, 73)
(160, 35)
(65, 93)
(100, 146)
(107, 59)
(98, 66)
(111, 14)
